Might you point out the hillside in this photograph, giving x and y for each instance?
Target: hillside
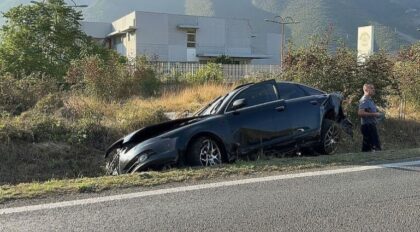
(396, 20)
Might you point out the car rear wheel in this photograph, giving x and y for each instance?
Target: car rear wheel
(330, 136)
(205, 151)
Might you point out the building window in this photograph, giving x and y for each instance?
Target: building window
(191, 38)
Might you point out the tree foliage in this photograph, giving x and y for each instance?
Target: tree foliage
(407, 70)
(42, 37)
(339, 71)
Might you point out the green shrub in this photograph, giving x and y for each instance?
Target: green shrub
(144, 78)
(407, 71)
(209, 73)
(339, 71)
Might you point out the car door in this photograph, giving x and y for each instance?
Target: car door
(252, 124)
(303, 108)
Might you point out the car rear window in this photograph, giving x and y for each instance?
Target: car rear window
(290, 91)
(311, 91)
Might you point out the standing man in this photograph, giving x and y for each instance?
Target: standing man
(368, 113)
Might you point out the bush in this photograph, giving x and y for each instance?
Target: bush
(145, 78)
(19, 95)
(113, 79)
(33, 127)
(89, 131)
(49, 104)
(407, 71)
(209, 73)
(316, 66)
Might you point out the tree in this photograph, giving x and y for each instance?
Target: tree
(407, 71)
(42, 37)
(337, 70)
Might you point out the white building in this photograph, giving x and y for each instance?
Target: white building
(184, 38)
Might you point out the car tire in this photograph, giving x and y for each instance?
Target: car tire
(330, 137)
(204, 151)
(112, 163)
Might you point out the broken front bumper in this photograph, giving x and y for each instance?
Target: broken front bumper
(150, 153)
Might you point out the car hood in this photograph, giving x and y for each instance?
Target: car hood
(149, 132)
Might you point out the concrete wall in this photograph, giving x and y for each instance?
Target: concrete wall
(129, 39)
(268, 44)
(238, 37)
(177, 38)
(157, 36)
(152, 35)
(211, 37)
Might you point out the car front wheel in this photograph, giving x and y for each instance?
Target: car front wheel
(205, 151)
(330, 136)
(112, 162)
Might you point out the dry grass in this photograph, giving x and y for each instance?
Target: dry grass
(190, 98)
(178, 100)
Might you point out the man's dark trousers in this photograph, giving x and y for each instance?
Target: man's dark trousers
(370, 138)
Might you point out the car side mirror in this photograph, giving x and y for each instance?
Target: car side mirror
(237, 104)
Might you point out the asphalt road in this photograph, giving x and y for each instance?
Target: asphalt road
(374, 200)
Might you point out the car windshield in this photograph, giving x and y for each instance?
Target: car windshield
(214, 106)
(211, 108)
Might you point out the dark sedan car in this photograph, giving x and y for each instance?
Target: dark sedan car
(264, 115)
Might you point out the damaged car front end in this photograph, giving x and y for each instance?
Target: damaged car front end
(149, 147)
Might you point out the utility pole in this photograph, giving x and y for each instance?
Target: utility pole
(282, 21)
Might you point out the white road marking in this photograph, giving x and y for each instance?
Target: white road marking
(198, 187)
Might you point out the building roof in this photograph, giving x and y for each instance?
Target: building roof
(122, 32)
(187, 26)
(235, 55)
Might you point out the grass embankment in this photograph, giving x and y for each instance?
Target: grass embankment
(238, 169)
(65, 135)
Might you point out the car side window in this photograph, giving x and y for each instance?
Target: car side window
(256, 95)
(311, 91)
(290, 91)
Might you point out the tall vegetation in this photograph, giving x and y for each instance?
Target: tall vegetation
(43, 37)
(315, 65)
(407, 69)
(112, 79)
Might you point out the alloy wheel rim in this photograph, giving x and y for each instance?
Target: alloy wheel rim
(210, 154)
(111, 166)
(331, 139)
